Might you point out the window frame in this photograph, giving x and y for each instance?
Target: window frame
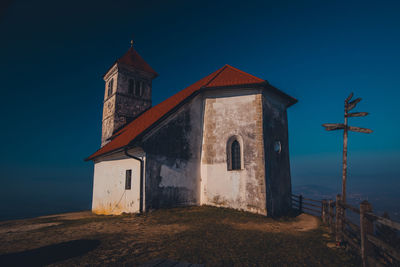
(128, 179)
(138, 88)
(235, 156)
(142, 88)
(229, 154)
(131, 86)
(110, 87)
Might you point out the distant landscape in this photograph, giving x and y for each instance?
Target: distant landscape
(32, 203)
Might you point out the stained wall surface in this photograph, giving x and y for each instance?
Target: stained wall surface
(228, 114)
(187, 157)
(109, 193)
(108, 121)
(122, 106)
(278, 181)
(173, 151)
(129, 105)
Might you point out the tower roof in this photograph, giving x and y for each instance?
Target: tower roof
(133, 59)
(224, 77)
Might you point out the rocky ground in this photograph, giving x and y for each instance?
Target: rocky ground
(202, 235)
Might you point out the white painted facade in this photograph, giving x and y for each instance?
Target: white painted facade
(222, 116)
(233, 116)
(109, 193)
(187, 153)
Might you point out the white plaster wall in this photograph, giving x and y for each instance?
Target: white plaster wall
(109, 194)
(224, 116)
(223, 188)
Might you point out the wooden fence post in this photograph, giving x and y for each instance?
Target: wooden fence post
(301, 203)
(330, 220)
(366, 227)
(339, 221)
(324, 211)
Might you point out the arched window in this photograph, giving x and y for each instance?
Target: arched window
(138, 88)
(142, 88)
(235, 155)
(131, 86)
(110, 87)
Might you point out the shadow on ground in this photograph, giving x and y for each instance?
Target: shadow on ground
(49, 254)
(204, 235)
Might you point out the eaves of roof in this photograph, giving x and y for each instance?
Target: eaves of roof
(227, 76)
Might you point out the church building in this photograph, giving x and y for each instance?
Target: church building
(222, 141)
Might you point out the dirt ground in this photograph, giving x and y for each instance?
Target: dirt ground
(202, 235)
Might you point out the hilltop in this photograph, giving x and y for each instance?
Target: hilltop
(206, 235)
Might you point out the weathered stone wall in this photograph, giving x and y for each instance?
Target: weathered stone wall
(108, 119)
(278, 181)
(122, 107)
(233, 113)
(111, 74)
(129, 106)
(126, 73)
(109, 194)
(173, 152)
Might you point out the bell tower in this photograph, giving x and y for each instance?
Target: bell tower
(127, 92)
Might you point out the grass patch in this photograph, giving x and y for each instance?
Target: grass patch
(207, 235)
(215, 243)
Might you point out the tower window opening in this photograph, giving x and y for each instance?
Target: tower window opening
(142, 87)
(131, 86)
(110, 87)
(138, 88)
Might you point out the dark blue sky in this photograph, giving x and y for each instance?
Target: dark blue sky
(54, 53)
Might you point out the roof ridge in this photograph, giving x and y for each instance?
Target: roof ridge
(134, 59)
(216, 75)
(123, 129)
(223, 77)
(245, 73)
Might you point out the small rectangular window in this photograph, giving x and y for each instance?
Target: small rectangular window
(128, 179)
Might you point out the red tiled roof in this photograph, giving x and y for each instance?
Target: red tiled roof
(226, 76)
(132, 58)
